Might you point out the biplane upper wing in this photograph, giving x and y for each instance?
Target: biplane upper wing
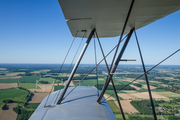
(108, 16)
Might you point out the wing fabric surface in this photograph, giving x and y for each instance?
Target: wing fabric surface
(79, 105)
(108, 16)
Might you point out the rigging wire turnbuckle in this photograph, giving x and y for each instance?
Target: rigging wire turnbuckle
(49, 106)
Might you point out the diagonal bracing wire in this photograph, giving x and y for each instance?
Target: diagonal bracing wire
(72, 62)
(119, 103)
(144, 73)
(93, 68)
(61, 67)
(146, 77)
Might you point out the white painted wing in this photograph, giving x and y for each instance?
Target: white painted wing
(108, 16)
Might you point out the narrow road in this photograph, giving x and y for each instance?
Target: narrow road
(23, 106)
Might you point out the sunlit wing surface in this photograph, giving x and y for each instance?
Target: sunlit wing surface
(79, 105)
(108, 16)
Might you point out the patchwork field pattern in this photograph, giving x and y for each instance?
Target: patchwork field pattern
(127, 107)
(38, 97)
(8, 85)
(168, 94)
(43, 88)
(151, 87)
(142, 95)
(9, 114)
(29, 79)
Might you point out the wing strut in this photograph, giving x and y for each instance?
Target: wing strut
(120, 55)
(147, 82)
(76, 66)
(115, 66)
(111, 79)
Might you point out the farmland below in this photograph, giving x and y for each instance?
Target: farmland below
(17, 79)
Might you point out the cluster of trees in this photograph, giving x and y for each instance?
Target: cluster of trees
(28, 74)
(162, 80)
(137, 84)
(4, 106)
(44, 82)
(131, 117)
(20, 70)
(143, 106)
(47, 76)
(25, 114)
(175, 100)
(79, 71)
(17, 109)
(173, 118)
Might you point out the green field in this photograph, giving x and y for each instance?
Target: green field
(29, 79)
(50, 80)
(140, 117)
(174, 97)
(32, 105)
(89, 82)
(113, 106)
(152, 90)
(125, 82)
(14, 94)
(28, 85)
(158, 90)
(119, 117)
(112, 91)
(168, 105)
(164, 85)
(58, 87)
(8, 80)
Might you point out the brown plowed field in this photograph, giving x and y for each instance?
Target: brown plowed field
(141, 95)
(130, 81)
(15, 77)
(151, 87)
(38, 97)
(168, 94)
(129, 91)
(137, 88)
(100, 79)
(47, 88)
(127, 107)
(71, 83)
(7, 85)
(11, 74)
(107, 96)
(75, 75)
(9, 114)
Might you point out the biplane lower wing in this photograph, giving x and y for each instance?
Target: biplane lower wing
(79, 105)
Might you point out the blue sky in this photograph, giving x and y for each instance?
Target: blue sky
(35, 31)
